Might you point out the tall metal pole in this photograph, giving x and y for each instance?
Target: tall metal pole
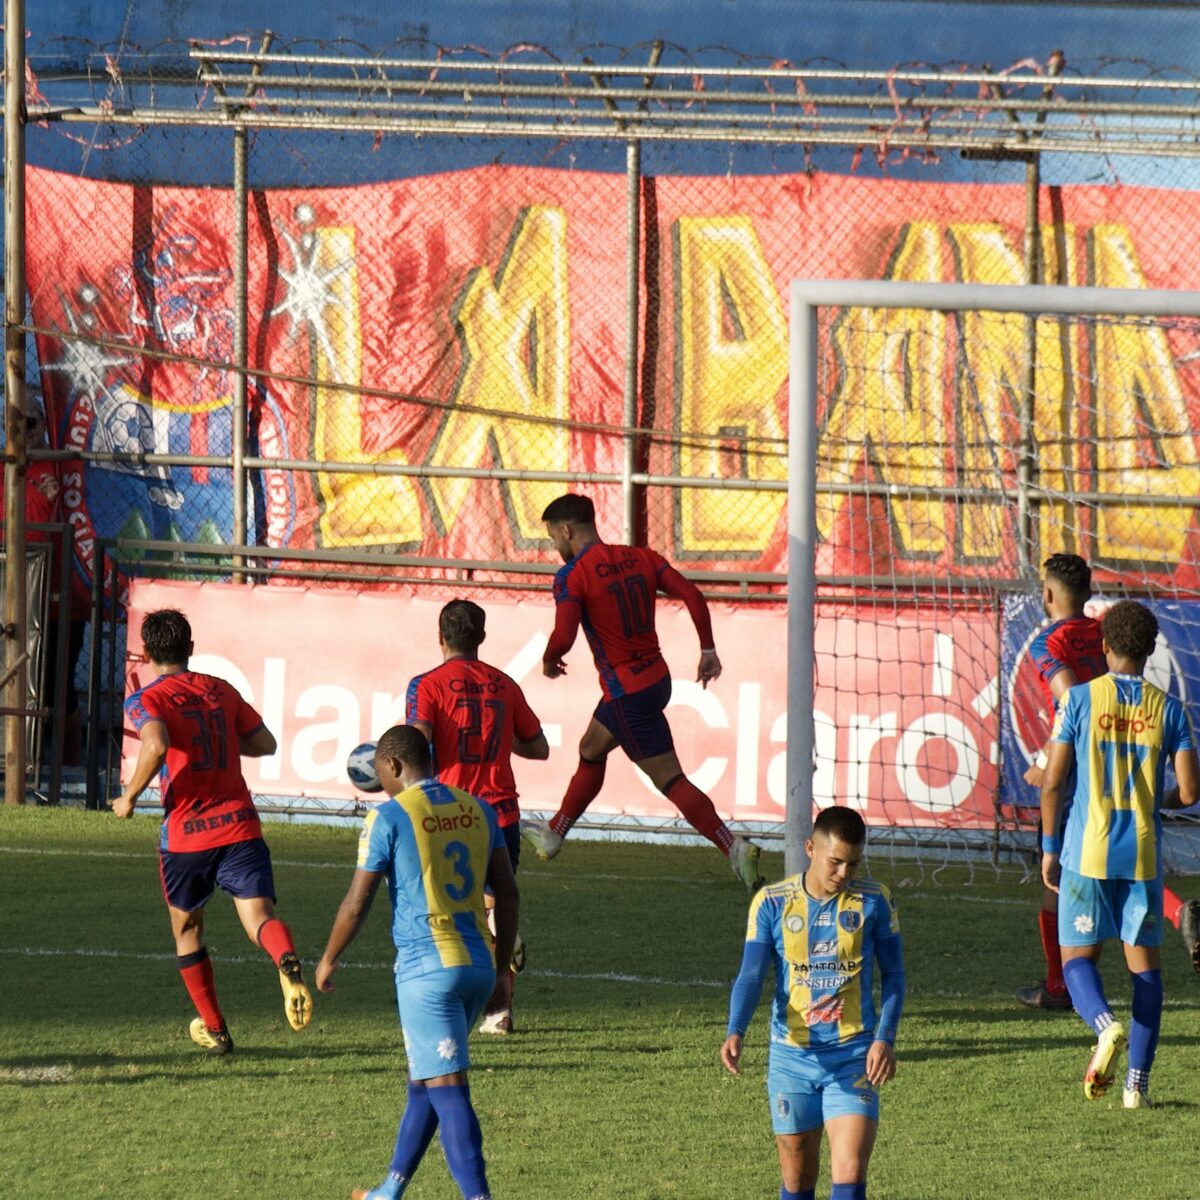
(633, 273)
(16, 618)
(239, 346)
(802, 607)
(1028, 448)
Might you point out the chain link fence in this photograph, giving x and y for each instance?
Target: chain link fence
(373, 307)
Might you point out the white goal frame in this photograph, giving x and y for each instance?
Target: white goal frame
(807, 297)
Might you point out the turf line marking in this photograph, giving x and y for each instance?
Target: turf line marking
(565, 875)
(257, 960)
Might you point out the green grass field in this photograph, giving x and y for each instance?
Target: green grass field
(611, 1087)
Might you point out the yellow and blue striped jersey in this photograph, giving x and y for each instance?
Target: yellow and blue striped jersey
(433, 843)
(824, 953)
(1124, 730)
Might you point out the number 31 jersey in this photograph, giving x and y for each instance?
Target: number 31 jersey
(204, 795)
(433, 844)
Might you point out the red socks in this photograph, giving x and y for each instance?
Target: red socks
(584, 787)
(1048, 928)
(196, 971)
(276, 939)
(698, 811)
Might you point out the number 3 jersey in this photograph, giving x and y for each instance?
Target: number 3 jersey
(204, 795)
(433, 844)
(824, 952)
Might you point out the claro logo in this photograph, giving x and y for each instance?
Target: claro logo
(1137, 723)
(459, 822)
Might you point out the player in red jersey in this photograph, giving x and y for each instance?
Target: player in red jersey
(193, 730)
(476, 718)
(1067, 651)
(611, 592)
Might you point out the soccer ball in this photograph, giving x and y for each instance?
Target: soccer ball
(360, 766)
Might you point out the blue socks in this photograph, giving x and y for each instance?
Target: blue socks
(849, 1191)
(806, 1194)
(1143, 1029)
(417, 1126)
(462, 1139)
(1087, 993)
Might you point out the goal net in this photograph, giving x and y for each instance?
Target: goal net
(944, 441)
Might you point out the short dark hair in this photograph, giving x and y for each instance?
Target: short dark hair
(842, 823)
(461, 625)
(406, 743)
(572, 508)
(1130, 629)
(1072, 572)
(166, 636)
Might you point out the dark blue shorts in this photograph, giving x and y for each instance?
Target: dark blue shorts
(512, 840)
(638, 722)
(243, 870)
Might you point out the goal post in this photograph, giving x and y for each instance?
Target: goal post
(943, 440)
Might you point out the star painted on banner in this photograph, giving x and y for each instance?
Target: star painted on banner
(85, 366)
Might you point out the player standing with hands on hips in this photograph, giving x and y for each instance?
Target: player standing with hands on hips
(193, 730)
(825, 933)
(611, 591)
(437, 847)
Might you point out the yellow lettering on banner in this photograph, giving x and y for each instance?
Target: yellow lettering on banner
(1144, 442)
(990, 382)
(887, 409)
(356, 510)
(733, 360)
(515, 338)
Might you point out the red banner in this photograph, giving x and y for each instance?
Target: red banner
(489, 305)
(906, 710)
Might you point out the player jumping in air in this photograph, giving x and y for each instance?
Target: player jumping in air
(193, 730)
(1116, 735)
(476, 718)
(436, 846)
(611, 591)
(1065, 652)
(824, 933)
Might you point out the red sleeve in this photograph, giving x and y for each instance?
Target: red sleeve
(674, 584)
(525, 721)
(248, 721)
(566, 626)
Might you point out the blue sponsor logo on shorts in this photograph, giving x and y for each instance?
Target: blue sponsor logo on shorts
(782, 1107)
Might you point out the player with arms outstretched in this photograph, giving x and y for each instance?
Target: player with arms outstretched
(824, 932)
(476, 718)
(611, 591)
(436, 846)
(1115, 736)
(193, 730)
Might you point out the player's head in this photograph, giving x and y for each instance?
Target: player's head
(460, 626)
(402, 758)
(839, 836)
(1066, 583)
(167, 637)
(1130, 631)
(566, 518)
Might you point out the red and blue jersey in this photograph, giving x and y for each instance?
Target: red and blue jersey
(204, 796)
(475, 712)
(611, 591)
(1075, 644)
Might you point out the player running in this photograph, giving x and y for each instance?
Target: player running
(436, 846)
(193, 730)
(1116, 734)
(824, 932)
(476, 718)
(612, 591)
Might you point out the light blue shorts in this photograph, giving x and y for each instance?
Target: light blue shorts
(437, 1012)
(806, 1088)
(1091, 911)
